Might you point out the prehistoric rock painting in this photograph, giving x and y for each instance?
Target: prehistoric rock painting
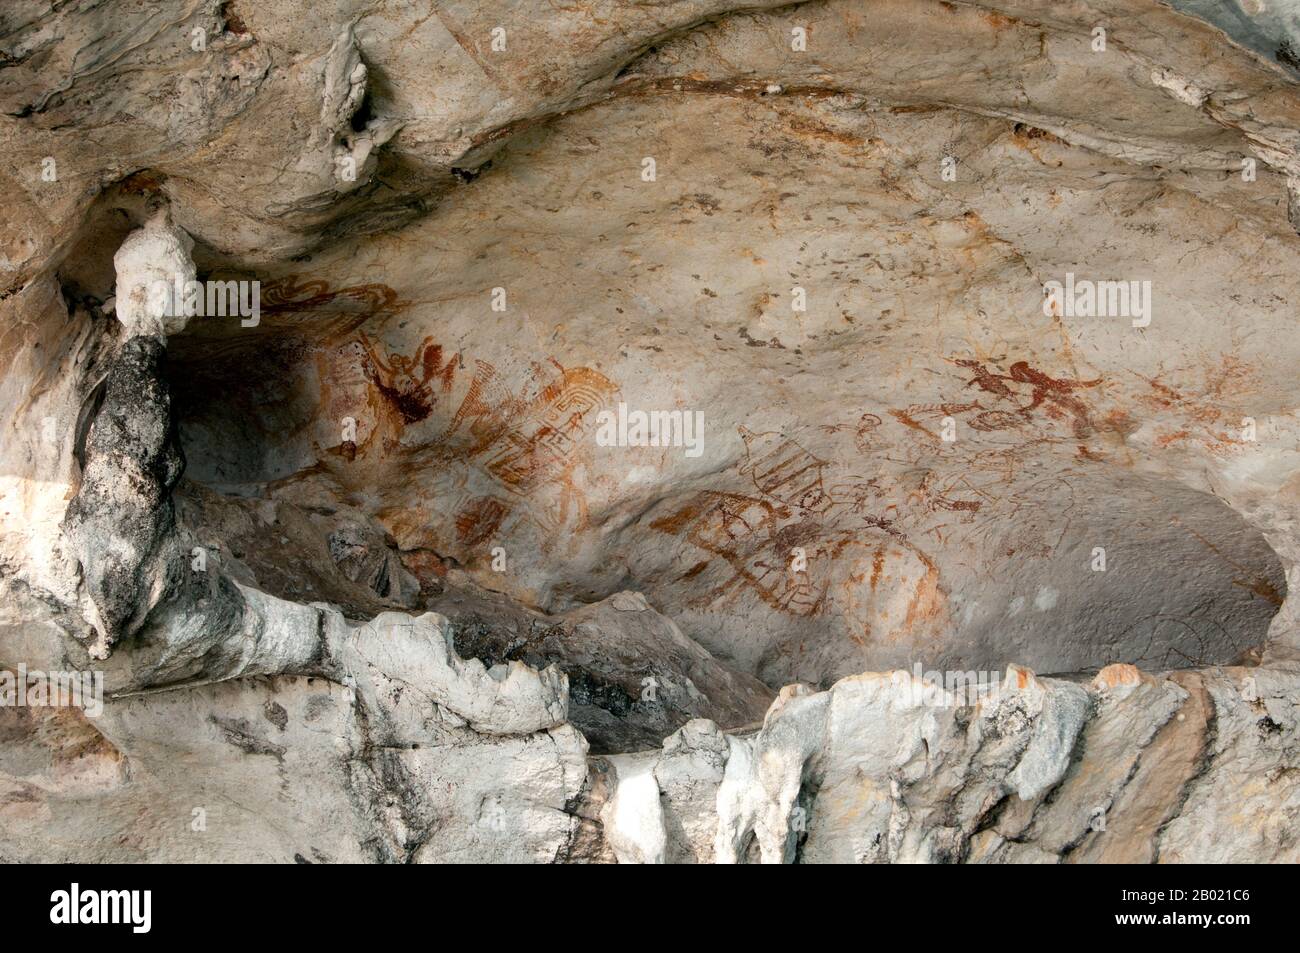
(1204, 415)
(845, 547)
(527, 440)
(298, 317)
(539, 445)
(530, 442)
(864, 434)
(407, 383)
(479, 519)
(858, 532)
(784, 470)
(342, 310)
(1025, 388)
(294, 294)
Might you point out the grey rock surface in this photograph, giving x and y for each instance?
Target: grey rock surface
(121, 525)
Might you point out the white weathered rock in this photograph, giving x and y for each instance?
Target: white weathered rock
(633, 818)
(154, 276)
(413, 668)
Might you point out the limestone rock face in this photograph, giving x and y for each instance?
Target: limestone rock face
(634, 677)
(699, 433)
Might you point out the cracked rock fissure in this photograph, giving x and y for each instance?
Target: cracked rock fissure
(827, 432)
